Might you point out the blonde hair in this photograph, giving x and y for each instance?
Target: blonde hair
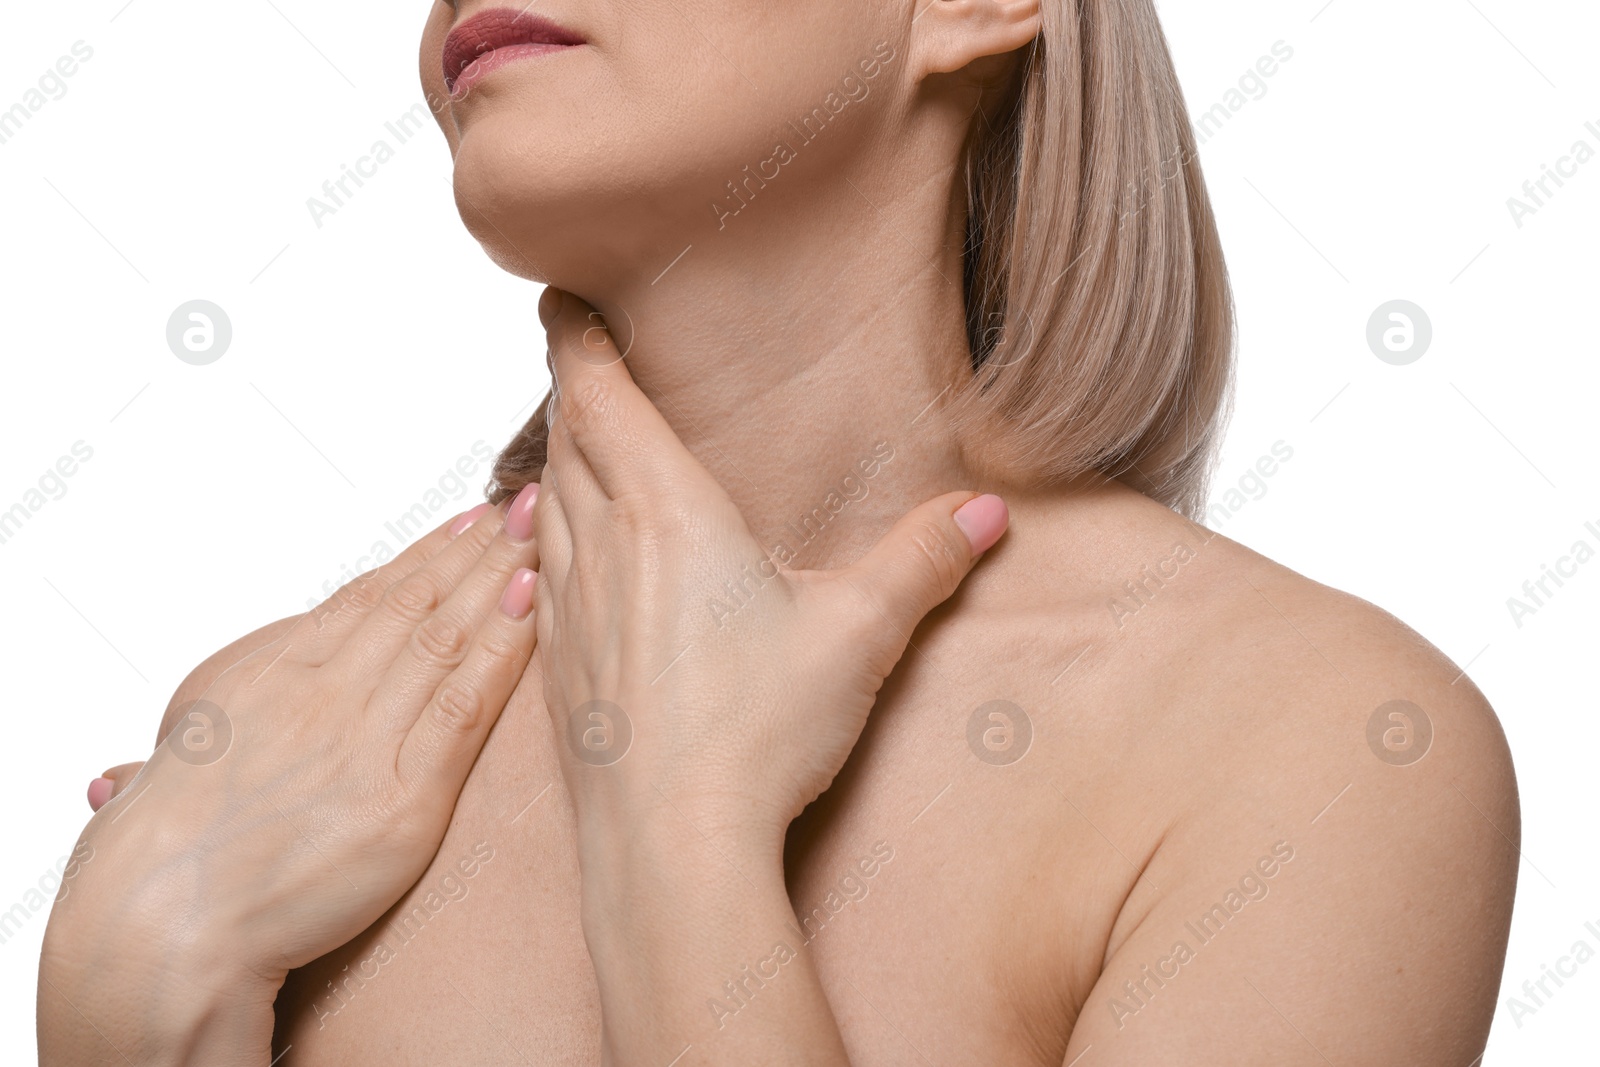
(1099, 314)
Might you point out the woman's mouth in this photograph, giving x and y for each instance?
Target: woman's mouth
(488, 41)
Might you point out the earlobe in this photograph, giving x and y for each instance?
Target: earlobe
(949, 35)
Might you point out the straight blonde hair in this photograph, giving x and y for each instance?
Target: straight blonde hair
(1099, 313)
(1098, 304)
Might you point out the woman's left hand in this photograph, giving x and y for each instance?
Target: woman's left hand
(739, 711)
(696, 729)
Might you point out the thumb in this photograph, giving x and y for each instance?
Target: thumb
(111, 783)
(924, 557)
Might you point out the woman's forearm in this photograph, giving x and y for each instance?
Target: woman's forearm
(694, 944)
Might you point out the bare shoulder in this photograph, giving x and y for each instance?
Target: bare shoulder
(1321, 678)
(198, 681)
(1339, 825)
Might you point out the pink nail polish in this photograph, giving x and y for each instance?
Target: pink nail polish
(517, 600)
(519, 516)
(466, 519)
(983, 519)
(100, 792)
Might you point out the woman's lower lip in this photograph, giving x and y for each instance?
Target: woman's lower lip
(491, 61)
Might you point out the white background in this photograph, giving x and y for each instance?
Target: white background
(370, 354)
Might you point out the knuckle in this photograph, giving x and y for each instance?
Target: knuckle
(365, 592)
(587, 404)
(441, 640)
(413, 598)
(457, 708)
(355, 598)
(939, 555)
(500, 654)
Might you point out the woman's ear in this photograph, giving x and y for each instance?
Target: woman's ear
(948, 35)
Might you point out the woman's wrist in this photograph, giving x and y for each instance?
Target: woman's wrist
(131, 976)
(111, 999)
(679, 840)
(695, 942)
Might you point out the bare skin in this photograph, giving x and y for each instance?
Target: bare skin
(1170, 754)
(1208, 747)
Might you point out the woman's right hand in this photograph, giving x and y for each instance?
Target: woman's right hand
(290, 807)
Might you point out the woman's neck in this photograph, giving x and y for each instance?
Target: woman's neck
(805, 369)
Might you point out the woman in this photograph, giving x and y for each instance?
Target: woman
(833, 281)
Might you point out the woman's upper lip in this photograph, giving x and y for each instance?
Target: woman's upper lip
(497, 28)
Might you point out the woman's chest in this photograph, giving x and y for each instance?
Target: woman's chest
(951, 898)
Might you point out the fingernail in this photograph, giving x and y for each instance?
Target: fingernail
(517, 600)
(100, 792)
(549, 305)
(519, 516)
(983, 519)
(466, 519)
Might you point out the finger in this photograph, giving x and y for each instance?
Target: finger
(924, 557)
(447, 735)
(581, 498)
(323, 630)
(554, 530)
(620, 433)
(439, 643)
(111, 783)
(381, 636)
